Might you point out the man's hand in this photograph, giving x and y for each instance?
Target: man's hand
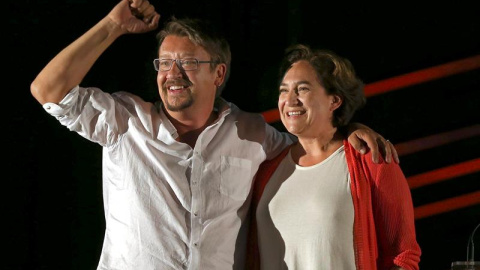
(362, 137)
(135, 16)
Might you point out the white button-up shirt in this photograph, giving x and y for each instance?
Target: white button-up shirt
(168, 206)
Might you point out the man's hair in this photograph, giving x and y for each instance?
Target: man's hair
(202, 33)
(335, 73)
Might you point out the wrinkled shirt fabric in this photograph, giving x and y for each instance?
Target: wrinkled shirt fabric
(168, 206)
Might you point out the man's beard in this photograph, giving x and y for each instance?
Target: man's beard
(180, 105)
(179, 102)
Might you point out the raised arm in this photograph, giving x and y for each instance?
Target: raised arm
(68, 68)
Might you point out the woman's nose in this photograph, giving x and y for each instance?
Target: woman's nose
(292, 98)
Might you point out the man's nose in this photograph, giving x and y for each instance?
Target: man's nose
(175, 71)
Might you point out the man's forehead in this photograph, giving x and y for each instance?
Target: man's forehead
(180, 46)
(173, 42)
(176, 54)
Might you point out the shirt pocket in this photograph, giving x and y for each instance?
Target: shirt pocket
(235, 177)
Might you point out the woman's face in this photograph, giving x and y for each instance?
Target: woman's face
(306, 110)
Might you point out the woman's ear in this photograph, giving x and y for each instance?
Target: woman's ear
(336, 101)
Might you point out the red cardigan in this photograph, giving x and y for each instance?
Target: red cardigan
(384, 225)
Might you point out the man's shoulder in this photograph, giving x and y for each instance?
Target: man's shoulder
(241, 114)
(127, 95)
(132, 99)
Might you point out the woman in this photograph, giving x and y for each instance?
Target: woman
(320, 204)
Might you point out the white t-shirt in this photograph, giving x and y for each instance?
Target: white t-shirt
(306, 216)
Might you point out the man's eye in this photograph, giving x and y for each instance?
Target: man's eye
(188, 62)
(164, 63)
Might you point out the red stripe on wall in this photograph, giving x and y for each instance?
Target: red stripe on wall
(436, 140)
(422, 76)
(447, 205)
(445, 173)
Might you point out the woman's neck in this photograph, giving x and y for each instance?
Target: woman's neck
(313, 150)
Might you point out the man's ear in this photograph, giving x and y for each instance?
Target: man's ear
(221, 71)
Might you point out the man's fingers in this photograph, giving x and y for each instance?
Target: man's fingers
(364, 137)
(386, 149)
(370, 140)
(373, 145)
(142, 9)
(394, 151)
(148, 14)
(153, 20)
(133, 5)
(357, 144)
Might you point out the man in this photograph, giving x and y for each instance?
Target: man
(177, 175)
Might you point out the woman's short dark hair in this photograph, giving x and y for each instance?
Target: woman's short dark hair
(335, 73)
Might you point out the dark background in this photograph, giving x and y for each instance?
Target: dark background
(53, 211)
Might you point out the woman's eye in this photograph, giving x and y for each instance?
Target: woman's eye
(303, 89)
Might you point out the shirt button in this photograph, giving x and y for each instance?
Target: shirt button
(48, 107)
(195, 214)
(195, 244)
(194, 182)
